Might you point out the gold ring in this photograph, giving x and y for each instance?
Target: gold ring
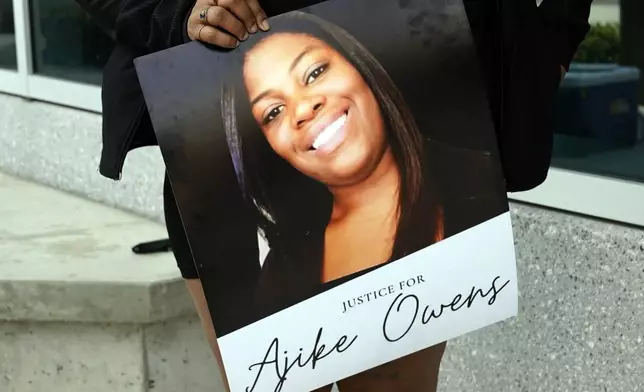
(199, 33)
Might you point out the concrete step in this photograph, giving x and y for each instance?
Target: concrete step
(79, 311)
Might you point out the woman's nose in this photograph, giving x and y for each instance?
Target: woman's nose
(307, 109)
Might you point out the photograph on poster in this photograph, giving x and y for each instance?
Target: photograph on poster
(340, 188)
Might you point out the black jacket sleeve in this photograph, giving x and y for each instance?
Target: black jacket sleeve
(568, 19)
(103, 13)
(530, 45)
(153, 24)
(145, 25)
(138, 27)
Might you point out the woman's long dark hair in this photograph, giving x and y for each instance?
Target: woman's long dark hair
(289, 204)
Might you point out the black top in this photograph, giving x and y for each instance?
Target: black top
(286, 281)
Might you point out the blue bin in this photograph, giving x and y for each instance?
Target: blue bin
(599, 101)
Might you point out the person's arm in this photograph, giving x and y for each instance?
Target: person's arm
(154, 25)
(103, 13)
(148, 25)
(568, 21)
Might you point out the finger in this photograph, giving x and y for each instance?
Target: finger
(260, 15)
(217, 37)
(224, 19)
(240, 9)
(198, 16)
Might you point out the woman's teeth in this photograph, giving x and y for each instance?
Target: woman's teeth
(329, 131)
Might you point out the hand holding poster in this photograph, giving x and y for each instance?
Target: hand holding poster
(362, 152)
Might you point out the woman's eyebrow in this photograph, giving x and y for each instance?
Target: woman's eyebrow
(296, 61)
(260, 96)
(299, 57)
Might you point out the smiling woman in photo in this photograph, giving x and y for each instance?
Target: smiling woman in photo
(330, 157)
(342, 181)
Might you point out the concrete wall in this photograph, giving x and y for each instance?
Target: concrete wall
(75, 357)
(60, 147)
(581, 320)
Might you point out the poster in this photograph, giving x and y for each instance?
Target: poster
(340, 187)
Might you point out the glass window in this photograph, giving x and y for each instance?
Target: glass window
(599, 123)
(66, 44)
(8, 58)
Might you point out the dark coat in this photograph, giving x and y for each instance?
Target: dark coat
(521, 48)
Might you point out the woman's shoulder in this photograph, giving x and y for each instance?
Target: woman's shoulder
(295, 266)
(470, 184)
(288, 278)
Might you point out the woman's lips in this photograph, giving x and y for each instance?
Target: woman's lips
(331, 136)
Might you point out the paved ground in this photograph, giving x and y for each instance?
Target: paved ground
(80, 312)
(50, 235)
(63, 258)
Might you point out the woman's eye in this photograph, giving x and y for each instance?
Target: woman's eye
(272, 114)
(315, 73)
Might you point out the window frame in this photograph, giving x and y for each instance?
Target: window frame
(587, 194)
(14, 81)
(66, 93)
(592, 195)
(27, 84)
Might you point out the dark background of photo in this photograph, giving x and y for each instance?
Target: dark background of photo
(425, 46)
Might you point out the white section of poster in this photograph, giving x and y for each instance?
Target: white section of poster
(451, 288)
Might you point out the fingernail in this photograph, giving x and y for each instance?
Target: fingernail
(237, 44)
(264, 24)
(253, 28)
(245, 36)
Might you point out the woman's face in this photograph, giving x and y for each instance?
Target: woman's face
(314, 108)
